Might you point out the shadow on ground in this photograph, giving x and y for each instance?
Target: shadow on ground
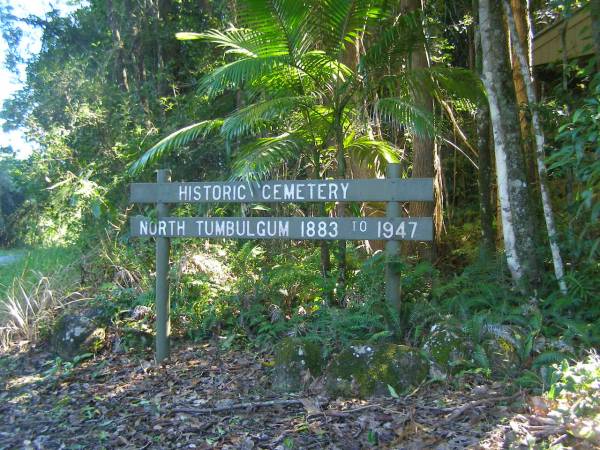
(208, 399)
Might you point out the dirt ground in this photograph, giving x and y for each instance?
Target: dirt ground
(205, 398)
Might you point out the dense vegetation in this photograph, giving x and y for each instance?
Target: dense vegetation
(224, 89)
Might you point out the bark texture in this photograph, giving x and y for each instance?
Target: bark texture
(484, 172)
(513, 191)
(540, 155)
(423, 147)
(522, 33)
(595, 15)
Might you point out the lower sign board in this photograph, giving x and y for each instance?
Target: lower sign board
(312, 228)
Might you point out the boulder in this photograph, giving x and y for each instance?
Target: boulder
(446, 348)
(502, 355)
(365, 370)
(296, 360)
(79, 332)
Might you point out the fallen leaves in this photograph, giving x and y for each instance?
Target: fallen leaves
(206, 399)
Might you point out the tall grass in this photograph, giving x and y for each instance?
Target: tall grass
(33, 289)
(29, 263)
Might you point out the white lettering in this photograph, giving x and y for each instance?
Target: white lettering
(143, 227)
(216, 192)
(226, 192)
(299, 194)
(183, 193)
(197, 193)
(181, 228)
(260, 228)
(241, 192)
(162, 228)
(229, 228)
(321, 195)
(266, 192)
(333, 188)
(220, 228)
(288, 192)
(284, 228)
(344, 187)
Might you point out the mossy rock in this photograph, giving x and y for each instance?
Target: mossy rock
(365, 370)
(295, 359)
(446, 348)
(79, 332)
(502, 356)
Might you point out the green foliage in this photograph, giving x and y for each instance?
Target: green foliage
(578, 155)
(30, 263)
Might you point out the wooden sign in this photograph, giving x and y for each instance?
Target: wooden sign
(384, 190)
(392, 228)
(309, 228)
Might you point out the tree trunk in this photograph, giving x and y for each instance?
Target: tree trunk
(422, 146)
(517, 213)
(540, 155)
(484, 178)
(484, 172)
(120, 69)
(521, 12)
(324, 245)
(341, 212)
(595, 15)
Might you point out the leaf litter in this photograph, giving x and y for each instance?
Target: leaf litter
(206, 398)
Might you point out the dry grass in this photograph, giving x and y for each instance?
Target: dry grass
(29, 306)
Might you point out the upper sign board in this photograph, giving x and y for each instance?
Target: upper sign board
(388, 190)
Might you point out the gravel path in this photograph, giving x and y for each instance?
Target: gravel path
(9, 259)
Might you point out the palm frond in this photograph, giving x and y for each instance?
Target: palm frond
(375, 153)
(256, 160)
(457, 82)
(236, 73)
(237, 41)
(404, 113)
(339, 22)
(396, 41)
(322, 67)
(280, 21)
(175, 140)
(253, 118)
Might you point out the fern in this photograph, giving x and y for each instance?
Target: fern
(548, 358)
(175, 140)
(480, 357)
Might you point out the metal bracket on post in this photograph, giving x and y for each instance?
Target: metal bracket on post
(392, 251)
(163, 306)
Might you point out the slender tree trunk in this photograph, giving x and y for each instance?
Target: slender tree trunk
(484, 172)
(422, 146)
(517, 213)
(520, 8)
(341, 212)
(595, 15)
(324, 245)
(540, 155)
(120, 68)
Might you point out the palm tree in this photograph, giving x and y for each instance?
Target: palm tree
(303, 102)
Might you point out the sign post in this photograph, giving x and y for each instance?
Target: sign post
(392, 251)
(163, 304)
(392, 228)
